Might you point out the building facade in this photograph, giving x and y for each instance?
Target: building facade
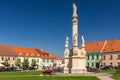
(111, 59)
(109, 51)
(12, 54)
(93, 59)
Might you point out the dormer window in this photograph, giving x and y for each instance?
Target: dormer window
(43, 54)
(20, 53)
(32, 54)
(38, 54)
(27, 54)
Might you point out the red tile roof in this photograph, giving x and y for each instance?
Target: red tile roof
(94, 46)
(110, 46)
(28, 52)
(31, 52)
(55, 57)
(6, 50)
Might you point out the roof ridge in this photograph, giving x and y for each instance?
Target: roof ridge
(103, 46)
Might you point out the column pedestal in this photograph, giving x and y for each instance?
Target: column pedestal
(78, 65)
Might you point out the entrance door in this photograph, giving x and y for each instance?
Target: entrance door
(97, 65)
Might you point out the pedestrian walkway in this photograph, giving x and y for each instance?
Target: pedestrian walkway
(101, 76)
(104, 76)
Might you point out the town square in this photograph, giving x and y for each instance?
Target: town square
(60, 40)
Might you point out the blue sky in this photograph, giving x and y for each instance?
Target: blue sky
(45, 24)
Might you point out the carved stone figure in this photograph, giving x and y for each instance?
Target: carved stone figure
(83, 41)
(66, 42)
(74, 9)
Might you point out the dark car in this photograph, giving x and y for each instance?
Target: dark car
(117, 67)
(17, 69)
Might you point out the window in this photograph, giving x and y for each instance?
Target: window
(8, 58)
(104, 64)
(88, 57)
(92, 57)
(32, 60)
(47, 60)
(20, 53)
(111, 57)
(88, 64)
(118, 63)
(92, 64)
(32, 54)
(43, 60)
(104, 57)
(118, 57)
(2, 58)
(111, 64)
(13, 58)
(27, 54)
(97, 57)
(37, 60)
(38, 54)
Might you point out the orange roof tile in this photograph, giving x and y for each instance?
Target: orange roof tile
(55, 57)
(94, 46)
(110, 46)
(6, 50)
(25, 51)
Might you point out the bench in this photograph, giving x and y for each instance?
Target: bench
(117, 73)
(92, 70)
(47, 72)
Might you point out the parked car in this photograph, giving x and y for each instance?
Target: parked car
(117, 67)
(17, 69)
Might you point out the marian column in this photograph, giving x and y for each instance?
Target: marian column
(74, 27)
(74, 58)
(78, 55)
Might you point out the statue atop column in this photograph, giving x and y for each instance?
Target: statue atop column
(74, 10)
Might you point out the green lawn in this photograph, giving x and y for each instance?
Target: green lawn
(23, 73)
(108, 71)
(48, 78)
(116, 77)
(111, 71)
(34, 75)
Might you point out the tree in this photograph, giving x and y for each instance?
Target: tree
(6, 63)
(33, 64)
(18, 62)
(25, 63)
